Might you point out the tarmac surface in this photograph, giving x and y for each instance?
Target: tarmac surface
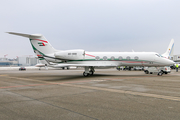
(108, 95)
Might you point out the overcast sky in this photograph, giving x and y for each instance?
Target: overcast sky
(92, 25)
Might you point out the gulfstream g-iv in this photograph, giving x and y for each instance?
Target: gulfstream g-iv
(91, 60)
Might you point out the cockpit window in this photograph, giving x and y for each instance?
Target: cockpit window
(158, 55)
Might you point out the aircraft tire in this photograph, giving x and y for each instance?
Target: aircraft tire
(91, 72)
(85, 74)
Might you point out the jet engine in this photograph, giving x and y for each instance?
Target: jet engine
(70, 54)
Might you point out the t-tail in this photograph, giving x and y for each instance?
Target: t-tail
(170, 49)
(39, 43)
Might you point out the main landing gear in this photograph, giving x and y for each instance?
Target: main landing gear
(89, 71)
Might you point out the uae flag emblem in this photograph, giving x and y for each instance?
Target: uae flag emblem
(42, 44)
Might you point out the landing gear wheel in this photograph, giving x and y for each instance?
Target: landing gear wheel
(91, 72)
(85, 74)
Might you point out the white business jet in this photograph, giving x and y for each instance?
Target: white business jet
(91, 60)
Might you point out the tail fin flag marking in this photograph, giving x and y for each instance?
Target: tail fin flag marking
(40, 40)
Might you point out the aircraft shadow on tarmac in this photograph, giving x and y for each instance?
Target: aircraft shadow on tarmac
(53, 78)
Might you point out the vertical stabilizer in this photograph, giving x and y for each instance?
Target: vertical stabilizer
(170, 50)
(39, 43)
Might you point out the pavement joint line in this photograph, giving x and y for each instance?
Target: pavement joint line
(47, 83)
(127, 92)
(3, 75)
(127, 77)
(27, 79)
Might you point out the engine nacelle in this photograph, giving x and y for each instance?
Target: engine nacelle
(70, 54)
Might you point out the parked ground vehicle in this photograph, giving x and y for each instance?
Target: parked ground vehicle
(22, 68)
(123, 68)
(151, 70)
(138, 68)
(120, 68)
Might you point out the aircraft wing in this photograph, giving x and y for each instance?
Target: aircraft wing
(82, 65)
(76, 65)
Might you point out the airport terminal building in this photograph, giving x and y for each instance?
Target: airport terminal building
(20, 61)
(176, 58)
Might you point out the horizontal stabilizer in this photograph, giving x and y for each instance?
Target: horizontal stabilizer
(26, 35)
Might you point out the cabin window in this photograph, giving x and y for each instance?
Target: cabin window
(120, 58)
(97, 58)
(69, 53)
(128, 58)
(104, 58)
(112, 58)
(136, 58)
